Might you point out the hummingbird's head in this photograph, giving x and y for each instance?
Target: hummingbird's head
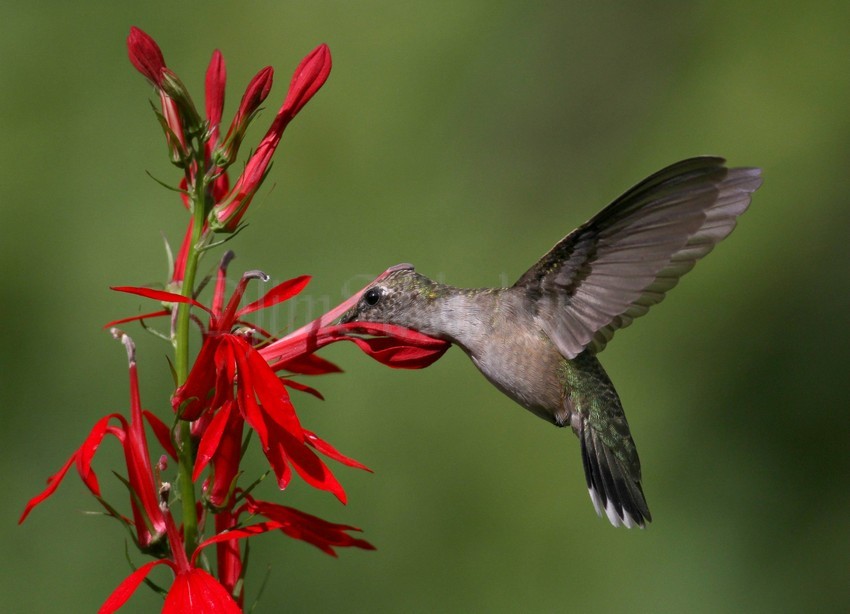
(398, 298)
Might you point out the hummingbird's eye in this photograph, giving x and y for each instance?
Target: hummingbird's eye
(372, 296)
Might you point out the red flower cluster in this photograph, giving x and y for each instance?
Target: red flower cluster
(241, 377)
(224, 206)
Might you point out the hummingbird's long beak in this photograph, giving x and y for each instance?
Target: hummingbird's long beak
(348, 316)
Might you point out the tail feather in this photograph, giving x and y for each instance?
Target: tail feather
(609, 483)
(608, 452)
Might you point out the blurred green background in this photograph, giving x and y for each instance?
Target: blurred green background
(465, 137)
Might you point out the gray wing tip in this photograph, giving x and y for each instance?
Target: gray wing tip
(745, 178)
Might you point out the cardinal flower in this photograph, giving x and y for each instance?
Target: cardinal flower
(148, 522)
(194, 589)
(232, 383)
(205, 171)
(242, 376)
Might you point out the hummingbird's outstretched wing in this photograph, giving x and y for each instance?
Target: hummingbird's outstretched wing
(622, 261)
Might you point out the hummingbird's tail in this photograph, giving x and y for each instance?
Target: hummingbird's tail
(610, 484)
(608, 452)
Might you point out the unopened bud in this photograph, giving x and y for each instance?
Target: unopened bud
(145, 55)
(254, 96)
(174, 88)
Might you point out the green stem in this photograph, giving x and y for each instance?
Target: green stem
(181, 356)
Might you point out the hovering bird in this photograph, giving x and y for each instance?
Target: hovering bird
(537, 341)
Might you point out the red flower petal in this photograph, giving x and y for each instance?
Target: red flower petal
(125, 590)
(299, 525)
(211, 438)
(52, 484)
(159, 295)
(389, 351)
(308, 364)
(162, 433)
(225, 536)
(193, 397)
(229, 566)
(89, 447)
(328, 450)
(139, 469)
(247, 399)
(226, 460)
(307, 463)
(144, 316)
(277, 426)
(281, 292)
(302, 388)
(265, 404)
(197, 592)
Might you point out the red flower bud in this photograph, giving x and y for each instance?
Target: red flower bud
(228, 213)
(310, 75)
(215, 82)
(174, 88)
(172, 127)
(254, 96)
(145, 55)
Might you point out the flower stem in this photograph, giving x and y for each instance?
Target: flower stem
(186, 459)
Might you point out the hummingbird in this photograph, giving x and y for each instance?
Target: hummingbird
(537, 341)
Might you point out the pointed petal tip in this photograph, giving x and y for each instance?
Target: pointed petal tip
(322, 54)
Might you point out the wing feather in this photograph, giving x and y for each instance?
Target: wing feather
(613, 268)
